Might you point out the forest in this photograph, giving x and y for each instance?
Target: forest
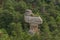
(13, 27)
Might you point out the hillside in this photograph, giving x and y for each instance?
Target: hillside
(13, 27)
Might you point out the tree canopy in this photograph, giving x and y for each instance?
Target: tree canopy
(13, 27)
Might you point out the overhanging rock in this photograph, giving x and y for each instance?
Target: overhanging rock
(34, 20)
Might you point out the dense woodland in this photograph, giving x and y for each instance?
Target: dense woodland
(13, 27)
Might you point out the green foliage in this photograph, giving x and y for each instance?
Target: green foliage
(12, 22)
(4, 35)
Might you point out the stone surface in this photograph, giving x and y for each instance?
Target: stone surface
(34, 20)
(34, 29)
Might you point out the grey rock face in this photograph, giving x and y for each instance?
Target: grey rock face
(33, 21)
(28, 12)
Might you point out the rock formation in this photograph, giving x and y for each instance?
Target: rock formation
(34, 21)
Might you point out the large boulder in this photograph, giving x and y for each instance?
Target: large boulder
(34, 20)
